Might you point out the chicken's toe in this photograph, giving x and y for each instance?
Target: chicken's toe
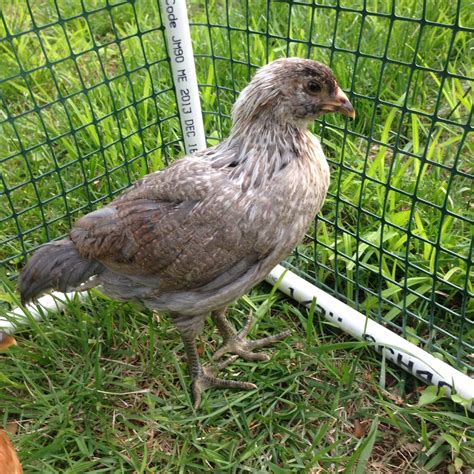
(206, 379)
(244, 348)
(237, 342)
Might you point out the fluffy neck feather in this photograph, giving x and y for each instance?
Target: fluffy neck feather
(265, 134)
(256, 150)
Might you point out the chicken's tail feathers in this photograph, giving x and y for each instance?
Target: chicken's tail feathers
(56, 266)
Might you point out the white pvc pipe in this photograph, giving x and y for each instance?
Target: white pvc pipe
(396, 349)
(180, 49)
(55, 301)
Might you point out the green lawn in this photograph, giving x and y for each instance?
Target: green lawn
(87, 107)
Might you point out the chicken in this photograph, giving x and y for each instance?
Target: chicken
(196, 236)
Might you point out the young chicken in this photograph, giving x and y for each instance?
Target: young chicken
(196, 236)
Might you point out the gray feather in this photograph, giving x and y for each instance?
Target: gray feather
(56, 265)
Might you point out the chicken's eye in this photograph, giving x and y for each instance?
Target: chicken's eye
(314, 87)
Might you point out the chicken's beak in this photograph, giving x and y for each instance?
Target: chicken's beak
(338, 102)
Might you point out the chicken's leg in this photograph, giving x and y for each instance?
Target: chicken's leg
(237, 343)
(202, 377)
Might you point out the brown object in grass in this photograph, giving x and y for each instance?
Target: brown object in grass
(6, 341)
(9, 462)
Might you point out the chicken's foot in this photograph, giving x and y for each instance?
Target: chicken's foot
(237, 342)
(203, 377)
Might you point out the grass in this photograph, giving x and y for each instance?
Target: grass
(102, 387)
(115, 398)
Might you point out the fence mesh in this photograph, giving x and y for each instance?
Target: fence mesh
(88, 106)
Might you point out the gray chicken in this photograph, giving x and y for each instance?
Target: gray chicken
(196, 236)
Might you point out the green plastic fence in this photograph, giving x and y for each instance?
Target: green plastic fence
(87, 106)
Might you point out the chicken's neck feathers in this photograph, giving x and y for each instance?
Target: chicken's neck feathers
(255, 152)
